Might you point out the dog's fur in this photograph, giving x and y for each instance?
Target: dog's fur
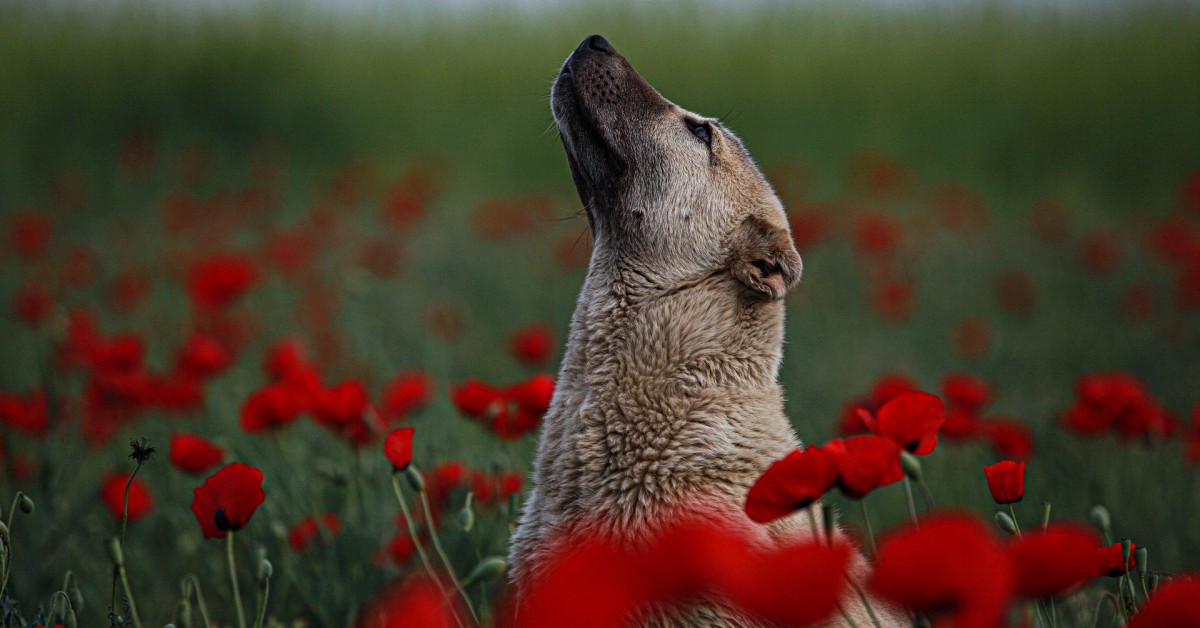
(667, 398)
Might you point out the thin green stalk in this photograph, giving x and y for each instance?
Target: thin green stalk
(912, 504)
(125, 507)
(264, 593)
(812, 520)
(412, 532)
(200, 603)
(863, 598)
(846, 616)
(8, 558)
(133, 612)
(1105, 596)
(926, 494)
(233, 580)
(862, 503)
(1013, 511)
(437, 546)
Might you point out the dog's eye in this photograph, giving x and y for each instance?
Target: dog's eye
(701, 130)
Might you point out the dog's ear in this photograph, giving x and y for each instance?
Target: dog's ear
(763, 257)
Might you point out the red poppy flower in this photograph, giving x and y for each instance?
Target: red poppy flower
(406, 393)
(790, 484)
(112, 493)
(340, 405)
(475, 398)
(911, 419)
(32, 304)
(219, 281)
(203, 356)
(966, 392)
(951, 565)
(1006, 481)
(397, 447)
(227, 499)
(533, 395)
(960, 424)
(509, 413)
(285, 358)
(400, 548)
(532, 344)
(302, 533)
(272, 406)
(1055, 561)
(973, 337)
(417, 602)
(865, 463)
(194, 454)
(1173, 604)
(893, 299)
(809, 228)
(28, 414)
(876, 234)
(510, 482)
(1110, 561)
(1009, 437)
(30, 234)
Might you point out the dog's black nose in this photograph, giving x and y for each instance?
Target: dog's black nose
(596, 44)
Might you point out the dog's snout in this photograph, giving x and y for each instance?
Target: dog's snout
(593, 45)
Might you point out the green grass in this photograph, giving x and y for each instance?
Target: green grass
(1017, 105)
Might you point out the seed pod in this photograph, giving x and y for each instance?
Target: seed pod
(486, 570)
(1101, 519)
(1142, 558)
(1126, 552)
(466, 516)
(25, 504)
(1045, 515)
(265, 571)
(4, 535)
(183, 614)
(1155, 579)
(1006, 523)
(415, 479)
(76, 599)
(69, 620)
(115, 554)
(911, 465)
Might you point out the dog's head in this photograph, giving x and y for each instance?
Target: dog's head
(671, 190)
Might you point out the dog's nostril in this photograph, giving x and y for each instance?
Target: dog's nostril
(599, 44)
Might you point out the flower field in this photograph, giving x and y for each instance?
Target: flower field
(282, 296)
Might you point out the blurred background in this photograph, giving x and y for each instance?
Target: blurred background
(1003, 190)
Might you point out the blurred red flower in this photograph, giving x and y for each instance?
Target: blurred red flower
(129, 288)
(876, 234)
(966, 392)
(1055, 561)
(397, 447)
(893, 299)
(1118, 402)
(399, 549)
(532, 344)
(911, 419)
(973, 337)
(509, 413)
(510, 483)
(1006, 481)
(272, 406)
(1016, 291)
(30, 234)
(194, 454)
(1051, 222)
(416, 602)
(339, 405)
(311, 528)
(1100, 252)
(218, 281)
(791, 483)
(227, 499)
(28, 414)
(285, 358)
(950, 566)
(32, 304)
(1110, 561)
(203, 356)
(809, 228)
(112, 493)
(1009, 437)
(1172, 604)
(865, 463)
(406, 393)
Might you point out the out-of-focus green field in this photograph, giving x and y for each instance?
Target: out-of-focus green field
(1099, 109)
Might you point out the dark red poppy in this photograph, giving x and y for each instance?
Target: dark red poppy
(399, 549)
(960, 424)
(397, 447)
(340, 405)
(416, 602)
(219, 281)
(311, 528)
(893, 299)
(475, 398)
(1110, 561)
(443, 479)
(967, 392)
(876, 234)
(30, 233)
(129, 288)
(194, 454)
(28, 414)
(32, 304)
(885, 388)
(285, 358)
(810, 227)
(291, 250)
(1006, 481)
(510, 482)
(1055, 561)
(406, 393)
(1173, 604)
(1115, 402)
(533, 395)
(203, 356)
(227, 499)
(973, 337)
(112, 493)
(790, 484)
(1009, 437)
(950, 567)
(511, 412)
(865, 463)
(272, 406)
(120, 352)
(911, 419)
(532, 344)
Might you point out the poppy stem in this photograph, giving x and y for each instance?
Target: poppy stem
(412, 532)
(862, 597)
(264, 593)
(437, 546)
(125, 507)
(812, 520)
(1099, 604)
(1013, 511)
(233, 580)
(912, 503)
(200, 603)
(862, 503)
(926, 494)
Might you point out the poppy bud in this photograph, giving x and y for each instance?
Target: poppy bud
(69, 620)
(258, 553)
(76, 599)
(1006, 523)
(1045, 514)
(911, 465)
(466, 516)
(265, 571)
(183, 614)
(1155, 579)
(1139, 556)
(415, 479)
(1126, 552)
(25, 504)
(114, 552)
(1101, 519)
(4, 534)
(487, 569)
